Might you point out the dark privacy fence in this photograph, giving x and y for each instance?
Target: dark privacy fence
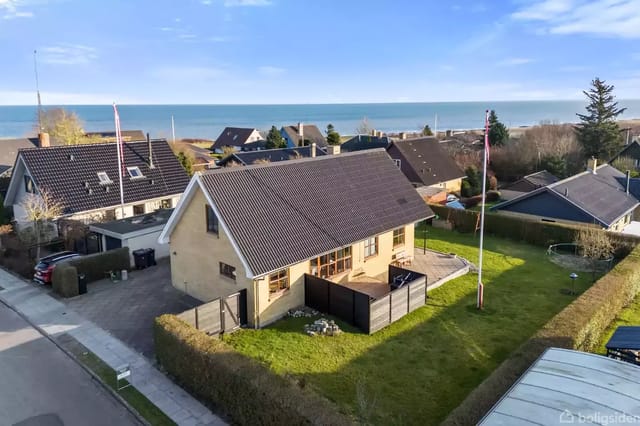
(362, 310)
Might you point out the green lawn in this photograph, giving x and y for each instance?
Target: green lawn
(418, 369)
(629, 316)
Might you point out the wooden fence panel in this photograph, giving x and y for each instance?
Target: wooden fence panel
(399, 303)
(209, 319)
(361, 311)
(379, 314)
(189, 317)
(341, 300)
(417, 294)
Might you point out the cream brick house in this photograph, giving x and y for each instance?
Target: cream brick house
(262, 228)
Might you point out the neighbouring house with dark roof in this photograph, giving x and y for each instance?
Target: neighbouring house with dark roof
(136, 232)
(630, 155)
(597, 196)
(264, 229)
(236, 137)
(362, 142)
(85, 179)
(110, 136)
(247, 158)
(532, 182)
(425, 163)
(303, 134)
(9, 152)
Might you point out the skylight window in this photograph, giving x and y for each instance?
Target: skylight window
(135, 172)
(104, 178)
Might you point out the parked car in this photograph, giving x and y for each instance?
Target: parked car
(46, 265)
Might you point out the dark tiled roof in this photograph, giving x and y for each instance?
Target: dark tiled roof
(254, 146)
(9, 149)
(601, 195)
(631, 151)
(424, 161)
(269, 155)
(532, 182)
(232, 136)
(65, 170)
(311, 133)
(362, 142)
(127, 135)
(283, 213)
(135, 223)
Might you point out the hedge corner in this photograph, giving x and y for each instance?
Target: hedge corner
(65, 280)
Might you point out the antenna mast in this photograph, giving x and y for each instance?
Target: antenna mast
(35, 68)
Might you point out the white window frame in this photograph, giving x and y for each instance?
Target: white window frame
(398, 162)
(104, 178)
(137, 173)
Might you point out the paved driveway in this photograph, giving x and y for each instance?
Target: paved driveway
(127, 309)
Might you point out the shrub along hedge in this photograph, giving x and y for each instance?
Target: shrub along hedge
(532, 231)
(579, 326)
(242, 388)
(65, 280)
(95, 265)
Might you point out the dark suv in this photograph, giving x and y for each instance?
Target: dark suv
(46, 265)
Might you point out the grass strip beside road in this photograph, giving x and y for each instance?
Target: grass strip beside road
(137, 400)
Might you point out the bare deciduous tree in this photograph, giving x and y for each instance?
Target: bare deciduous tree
(64, 127)
(364, 128)
(595, 245)
(40, 209)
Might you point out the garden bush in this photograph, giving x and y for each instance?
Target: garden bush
(95, 265)
(532, 231)
(65, 280)
(492, 196)
(579, 326)
(242, 388)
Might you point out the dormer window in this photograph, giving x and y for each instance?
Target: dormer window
(398, 162)
(104, 178)
(135, 172)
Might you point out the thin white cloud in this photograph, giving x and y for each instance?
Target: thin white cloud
(218, 39)
(187, 36)
(17, 97)
(194, 73)
(271, 71)
(608, 18)
(635, 56)
(511, 62)
(68, 54)
(167, 29)
(13, 9)
(206, 2)
(242, 3)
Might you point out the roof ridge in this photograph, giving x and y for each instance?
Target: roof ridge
(90, 144)
(288, 162)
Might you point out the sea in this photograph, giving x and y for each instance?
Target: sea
(207, 121)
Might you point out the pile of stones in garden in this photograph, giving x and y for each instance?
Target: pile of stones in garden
(302, 312)
(323, 327)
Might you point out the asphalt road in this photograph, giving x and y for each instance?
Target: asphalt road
(41, 386)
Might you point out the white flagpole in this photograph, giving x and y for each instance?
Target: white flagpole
(120, 159)
(173, 130)
(480, 300)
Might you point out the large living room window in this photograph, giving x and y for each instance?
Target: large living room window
(212, 221)
(371, 247)
(398, 236)
(279, 281)
(332, 263)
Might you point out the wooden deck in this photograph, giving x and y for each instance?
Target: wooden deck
(438, 267)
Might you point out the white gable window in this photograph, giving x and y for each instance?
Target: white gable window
(398, 162)
(135, 172)
(104, 178)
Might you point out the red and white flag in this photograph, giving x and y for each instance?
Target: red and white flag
(486, 135)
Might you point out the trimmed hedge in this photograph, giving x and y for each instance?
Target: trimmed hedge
(242, 388)
(95, 265)
(579, 326)
(532, 231)
(65, 280)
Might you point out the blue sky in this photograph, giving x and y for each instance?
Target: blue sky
(303, 51)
